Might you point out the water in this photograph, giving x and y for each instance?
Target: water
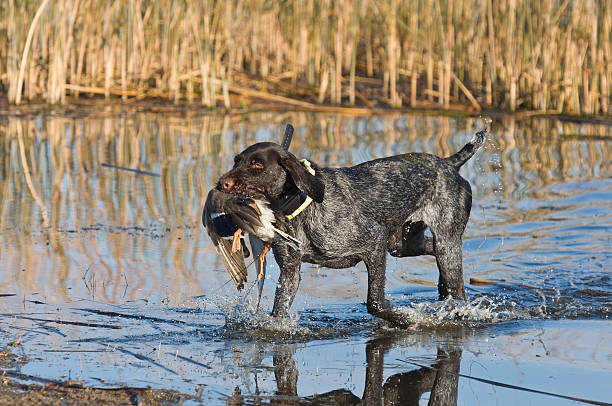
(85, 243)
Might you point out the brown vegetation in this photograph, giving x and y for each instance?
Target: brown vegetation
(16, 388)
(550, 55)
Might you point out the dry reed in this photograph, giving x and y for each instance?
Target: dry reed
(549, 55)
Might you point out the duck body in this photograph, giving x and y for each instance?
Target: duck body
(226, 216)
(225, 213)
(219, 225)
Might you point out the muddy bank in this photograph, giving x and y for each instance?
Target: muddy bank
(99, 107)
(18, 388)
(15, 392)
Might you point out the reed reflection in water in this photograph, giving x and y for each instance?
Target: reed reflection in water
(72, 228)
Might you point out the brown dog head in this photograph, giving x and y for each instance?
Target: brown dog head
(265, 169)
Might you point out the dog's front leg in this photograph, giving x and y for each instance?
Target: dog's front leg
(288, 284)
(289, 261)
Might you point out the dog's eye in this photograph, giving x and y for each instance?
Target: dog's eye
(256, 165)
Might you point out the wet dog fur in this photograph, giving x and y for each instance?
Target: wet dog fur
(361, 213)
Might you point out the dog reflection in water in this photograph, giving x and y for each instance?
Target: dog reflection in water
(440, 379)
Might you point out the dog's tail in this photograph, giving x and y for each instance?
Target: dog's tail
(469, 149)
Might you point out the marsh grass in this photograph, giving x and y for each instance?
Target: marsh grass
(549, 55)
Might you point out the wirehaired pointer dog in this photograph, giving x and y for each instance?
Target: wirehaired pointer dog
(342, 216)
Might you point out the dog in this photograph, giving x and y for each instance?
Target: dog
(360, 213)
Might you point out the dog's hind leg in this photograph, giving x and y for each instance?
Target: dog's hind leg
(410, 241)
(447, 226)
(449, 257)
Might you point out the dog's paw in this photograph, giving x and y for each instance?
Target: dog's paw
(395, 318)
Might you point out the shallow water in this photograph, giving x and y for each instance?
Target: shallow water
(86, 243)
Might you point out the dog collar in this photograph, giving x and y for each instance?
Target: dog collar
(308, 200)
(294, 201)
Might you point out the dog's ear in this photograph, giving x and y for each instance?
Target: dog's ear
(310, 184)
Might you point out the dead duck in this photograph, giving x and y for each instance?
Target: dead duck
(219, 226)
(227, 217)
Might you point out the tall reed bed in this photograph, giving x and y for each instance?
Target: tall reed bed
(548, 55)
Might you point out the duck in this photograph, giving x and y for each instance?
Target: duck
(227, 217)
(218, 227)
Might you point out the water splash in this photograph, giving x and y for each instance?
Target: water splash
(456, 313)
(242, 320)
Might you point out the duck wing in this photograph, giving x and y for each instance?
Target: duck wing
(245, 213)
(217, 228)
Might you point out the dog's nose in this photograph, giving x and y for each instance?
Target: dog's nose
(226, 184)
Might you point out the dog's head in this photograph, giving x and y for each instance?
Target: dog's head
(265, 169)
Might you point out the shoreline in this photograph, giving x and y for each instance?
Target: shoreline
(164, 106)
